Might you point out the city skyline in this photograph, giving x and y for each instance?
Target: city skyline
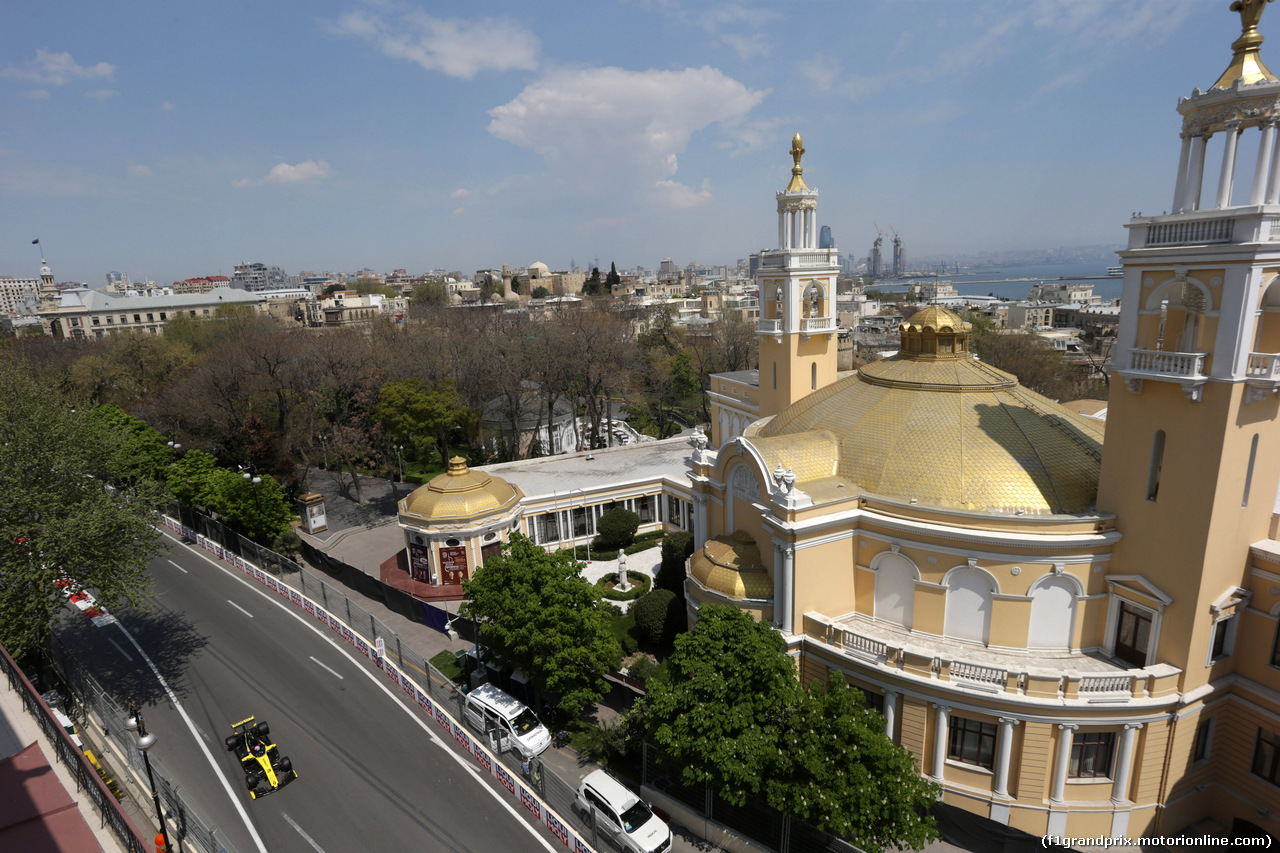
(345, 135)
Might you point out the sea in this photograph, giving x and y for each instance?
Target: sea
(1014, 282)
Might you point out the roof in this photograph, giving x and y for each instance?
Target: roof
(533, 411)
(36, 811)
(101, 300)
(621, 797)
(459, 493)
(934, 426)
(731, 565)
(646, 461)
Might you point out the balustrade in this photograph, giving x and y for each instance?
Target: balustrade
(1184, 364)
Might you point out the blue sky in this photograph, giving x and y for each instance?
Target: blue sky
(174, 140)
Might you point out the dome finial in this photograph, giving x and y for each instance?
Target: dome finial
(1245, 64)
(797, 184)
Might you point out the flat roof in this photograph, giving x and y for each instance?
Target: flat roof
(548, 476)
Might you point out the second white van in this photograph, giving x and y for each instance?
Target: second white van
(489, 709)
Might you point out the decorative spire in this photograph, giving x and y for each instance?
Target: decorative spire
(797, 184)
(1245, 64)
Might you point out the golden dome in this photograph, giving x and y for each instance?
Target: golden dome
(1246, 65)
(947, 431)
(730, 565)
(457, 494)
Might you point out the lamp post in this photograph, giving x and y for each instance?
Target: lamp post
(324, 446)
(144, 741)
(257, 503)
(400, 460)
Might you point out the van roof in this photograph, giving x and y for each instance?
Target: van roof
(500, 700)
(620, 796)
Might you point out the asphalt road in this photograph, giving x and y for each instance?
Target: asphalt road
(373, 775)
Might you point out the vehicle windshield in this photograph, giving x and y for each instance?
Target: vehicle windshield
(636, 817)
(526, 722)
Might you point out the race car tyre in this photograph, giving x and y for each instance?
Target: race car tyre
(285, 767)
(231, 742)
(263, 788)
(251, 780)
(261, 729)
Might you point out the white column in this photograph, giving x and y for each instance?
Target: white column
(1228, 173)
(1006, 753)
(1196, 176)
(1273, 185)
(782, 229)
(699, 520)
(890, 712)
(788, 586)
(1124, 763)
(777, 584)
(1180, 186)
(1067, 733)
(940, 737)
(1262, 171)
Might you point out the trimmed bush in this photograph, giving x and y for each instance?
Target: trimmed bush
(623, 627)
(676, 548)
(640, 584)
(641, 546)
(659, 616)
(616, 529)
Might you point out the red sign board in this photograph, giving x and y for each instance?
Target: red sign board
(453, 565)
(420, 562)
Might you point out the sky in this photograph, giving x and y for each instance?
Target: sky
(174, 140)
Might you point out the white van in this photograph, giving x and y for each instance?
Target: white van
(620, 815)
(489, 709)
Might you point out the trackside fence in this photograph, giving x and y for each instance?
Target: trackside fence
(548, 797)
(87, 781)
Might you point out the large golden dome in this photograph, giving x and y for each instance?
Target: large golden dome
(936, 427)
(731, 566)
(459, 493)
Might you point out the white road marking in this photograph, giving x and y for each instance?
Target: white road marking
(128, 656)
(241, 609)
(204, 734)
(235, 801)
(322, 666)
(305, 837)
(179, 568)
(324, 635)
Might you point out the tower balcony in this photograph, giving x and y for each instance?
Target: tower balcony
(800, 258)
(1183, 368)
(1042, 675)
(1258, 223)
(818, 325)
(1262, 376)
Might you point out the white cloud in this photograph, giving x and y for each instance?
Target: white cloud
(460, 193)
(101, 94)
(676, 194)
(56, 69)
(621, 131)
(747, 47)
(139, 171)
(283, 173)
(822, 71)
(166, 106)
(35, 94)
(452, 46)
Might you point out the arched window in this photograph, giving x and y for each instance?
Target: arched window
(811, 303)
(968, 615)
(1053, 613)
(895, 589)
(813, 376)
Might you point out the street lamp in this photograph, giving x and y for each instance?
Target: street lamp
(324, 446)
(143, 740)
(257, 504)
(400, 460)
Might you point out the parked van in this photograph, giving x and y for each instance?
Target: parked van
(489, 709)
(620, 815)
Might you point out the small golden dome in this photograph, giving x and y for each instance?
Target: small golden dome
(934, 333)
(459, 493)
(730, 565)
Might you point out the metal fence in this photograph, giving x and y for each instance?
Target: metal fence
(87, 780)
(757, 821)
(186, 820)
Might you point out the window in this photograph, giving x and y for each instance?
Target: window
(151, 318)
(1224, 635)
(973, 742)
(1275, 649)
(775, 376)
(1266, 757)
(1133, 632)
(644, 509)
(163, 318)
(137, 318)
(874, 701)
(548, 529)
(1204, 735)
(1248, 474)
(1091, 755)
(813, 376)
(110, 320)
(124, 318)
(580, 527)
(95, 321)
(1157, 462)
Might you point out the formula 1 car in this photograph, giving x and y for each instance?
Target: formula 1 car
(265, 770)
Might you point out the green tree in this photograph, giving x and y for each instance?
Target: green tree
(677, 547)
(719, 714)
(612, 278)
(260, 509)
(540, 292)
(836, 770)
(55, 514)
(367, 286)
(659, 616)
(430, 293)
(193, 479)
(416, 414)
(537, 611)
(593, 286)
(616, 528)
(148, 455)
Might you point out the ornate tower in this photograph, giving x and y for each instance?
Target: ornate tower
(797, 285)
(1192, 455)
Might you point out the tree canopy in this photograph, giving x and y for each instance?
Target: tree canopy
(535, 610)
(56, 514)
(731, 713)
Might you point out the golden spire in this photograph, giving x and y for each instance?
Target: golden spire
(1245, 63)
(797, 184)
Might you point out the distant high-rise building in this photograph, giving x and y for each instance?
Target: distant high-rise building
(117, 282)
(667, 266)
(258, 277)
(899, 258)
(825, 240)
(876, 260)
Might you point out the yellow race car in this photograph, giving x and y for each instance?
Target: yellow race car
(265, 769)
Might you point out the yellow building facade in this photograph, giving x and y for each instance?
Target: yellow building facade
(1073, 636)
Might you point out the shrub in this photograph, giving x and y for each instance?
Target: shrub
(641, 546)
(623, 628)
(616, 529)
(642, 669)
(640, 584)
(658, 616)
(676, 548)
(287, 543)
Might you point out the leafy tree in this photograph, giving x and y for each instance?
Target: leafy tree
(148, 454)
(416, 414)
(677, 547)
(719, 714)
(540, 292)
(55, 514)
(193, 479)
(367, 286)
(593, 286)
(430, 293)
(1037, 365)
(616, 528)
(659, 616)
(836, 771)
(537, 611)
(260, 509)
(612, 278)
